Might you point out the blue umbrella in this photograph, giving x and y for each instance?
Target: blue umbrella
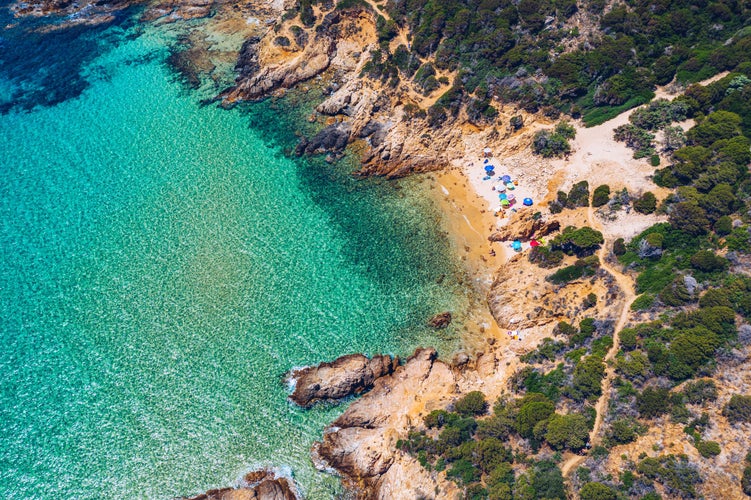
(527, 202)
(506, 179)
(489, 168)
(502, 196)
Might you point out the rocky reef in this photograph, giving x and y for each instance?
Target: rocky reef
(262, 484)
(348, 375)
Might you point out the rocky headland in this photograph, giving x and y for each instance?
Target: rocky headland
(348, 375)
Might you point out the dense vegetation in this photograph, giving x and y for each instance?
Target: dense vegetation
(529, 52)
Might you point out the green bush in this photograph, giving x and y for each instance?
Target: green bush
(652, 402)
(708, 449)
(580, 242)
(549, 145)
(619, 247)
(646, 203)
(567, 432)
(587, 379)
(738, 409)
(472, 404)
(544, 257)
(675, 472)
(700, 391)
(654, 160)
(643, 302)
(463, 470)
(601, 195)
(723, 226)
(578, 196)
(597, 491)
(547, 481)
(715, 297)
(707, 261)
(581, 268)
(746, 479)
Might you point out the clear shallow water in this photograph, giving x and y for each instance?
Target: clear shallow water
(164, 264)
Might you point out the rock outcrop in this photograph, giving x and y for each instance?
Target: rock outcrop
(350, 374)
(523, 226)
(257, 485)
(361, 444)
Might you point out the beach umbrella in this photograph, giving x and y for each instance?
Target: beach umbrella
(488, 168)
(501, 188)
(485, 160)
(502, 196)
(511, 197)
(527, 202)
(517, 246)
(505, 203)
(506, 179)
(510, 186)
(534, 243)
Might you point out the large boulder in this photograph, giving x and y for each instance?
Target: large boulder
(350, 374)
(524, 226)
(262, 484)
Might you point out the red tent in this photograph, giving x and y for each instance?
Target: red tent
(534, 243)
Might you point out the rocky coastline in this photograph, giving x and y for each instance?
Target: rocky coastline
(377, 122)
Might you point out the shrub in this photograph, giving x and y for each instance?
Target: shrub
(675, 472)
(708, 449)
(715, 297)
(548, 145)
(435, 418)
(589, 301)
(587, 378)
(723, 226)
(646, 203)
(547, 481)
(597, 491)
(581, 268)
(690, 218)
(580, 242)
(746, 479)
(700, 391)
(707, 261)
(601, 195)
(544, 257)
(619, 247)
(567, 432)
(738, 409)
(578, 196)
(643, 302)
(654, 160)
(532, 413)
(566, 130)
(464, 471)
(623, 431)
(652, 402)
(471, 405)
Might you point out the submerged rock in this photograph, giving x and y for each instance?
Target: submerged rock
(262, 484)
(440, 320)
(333, 138)
(350, 374)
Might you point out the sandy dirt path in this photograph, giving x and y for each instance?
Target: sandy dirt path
(626, 285)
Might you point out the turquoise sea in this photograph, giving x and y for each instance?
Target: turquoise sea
(164, 263)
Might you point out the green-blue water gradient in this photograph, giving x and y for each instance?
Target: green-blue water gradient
(164, 264)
